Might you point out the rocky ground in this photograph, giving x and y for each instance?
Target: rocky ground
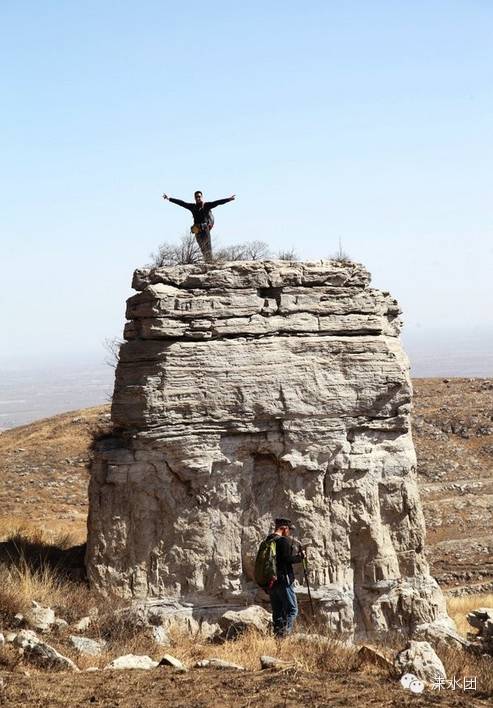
(225, 689)
(44, 469)
(453, 435)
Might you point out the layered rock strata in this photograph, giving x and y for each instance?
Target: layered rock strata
(252, 389)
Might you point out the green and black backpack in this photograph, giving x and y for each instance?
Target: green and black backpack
(265, 562)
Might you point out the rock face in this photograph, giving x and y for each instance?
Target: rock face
(482, 619)
(253, 389)
(420, 659)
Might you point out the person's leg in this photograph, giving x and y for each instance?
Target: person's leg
(277, 604)
(291, 608)
(205, 244)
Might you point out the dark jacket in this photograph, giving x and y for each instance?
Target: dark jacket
(285, 559)
(201, 214)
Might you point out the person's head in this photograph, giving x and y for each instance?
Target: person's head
(283, 526)
(198, 197)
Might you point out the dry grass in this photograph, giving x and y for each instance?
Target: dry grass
(459, 607)
(22, 581)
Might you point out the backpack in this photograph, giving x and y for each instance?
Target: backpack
(265, 562)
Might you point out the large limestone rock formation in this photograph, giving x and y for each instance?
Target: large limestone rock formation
(253, 389)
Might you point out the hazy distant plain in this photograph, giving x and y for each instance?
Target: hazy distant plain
(30, 393)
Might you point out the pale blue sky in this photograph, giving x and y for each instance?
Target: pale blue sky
(365, 120)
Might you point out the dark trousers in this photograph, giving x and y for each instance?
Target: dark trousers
(284, 608)
(205, 244)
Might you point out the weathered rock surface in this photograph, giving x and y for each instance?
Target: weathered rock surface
(253, 389)
(420, 659)
(87, 646)
(42, 654)
(60, 624)
(235, 622)
(441, 633)
(24, 638)
(272, 662)
(218, 664)
(169, 660)
(82, 624)
(482, 619)
(39, 617)
(132, 661)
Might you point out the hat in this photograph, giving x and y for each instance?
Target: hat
(282, 521)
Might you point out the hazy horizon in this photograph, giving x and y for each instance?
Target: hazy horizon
(34, 389)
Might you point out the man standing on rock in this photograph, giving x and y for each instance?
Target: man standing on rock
(203, 220)
(281, 592)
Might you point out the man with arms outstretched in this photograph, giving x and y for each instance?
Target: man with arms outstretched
(203, 220)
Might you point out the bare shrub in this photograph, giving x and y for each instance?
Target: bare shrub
(256, 250)
(185, 251)
(112, 346)
(288, 255)
(236, 252)
(341, 255)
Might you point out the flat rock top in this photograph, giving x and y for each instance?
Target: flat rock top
(260, 274)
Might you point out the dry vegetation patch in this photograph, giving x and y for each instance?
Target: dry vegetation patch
(321, 671)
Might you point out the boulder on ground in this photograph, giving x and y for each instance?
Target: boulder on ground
(23, 637)
(132, 661)
(209, 630)
(441, 633)
(89, 647)
(39, 617)
(272, 662)
(42, 654)
(82, 624)
(218, 664)
(60, 624)
(169, 660)
(234, 622)
(477, 618)
(420, 659)
(482, 620)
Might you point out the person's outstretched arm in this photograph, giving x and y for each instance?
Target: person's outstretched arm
(180, 202)
(218, 202)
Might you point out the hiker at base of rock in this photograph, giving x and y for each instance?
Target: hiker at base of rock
(281, 592)
(203, 220)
